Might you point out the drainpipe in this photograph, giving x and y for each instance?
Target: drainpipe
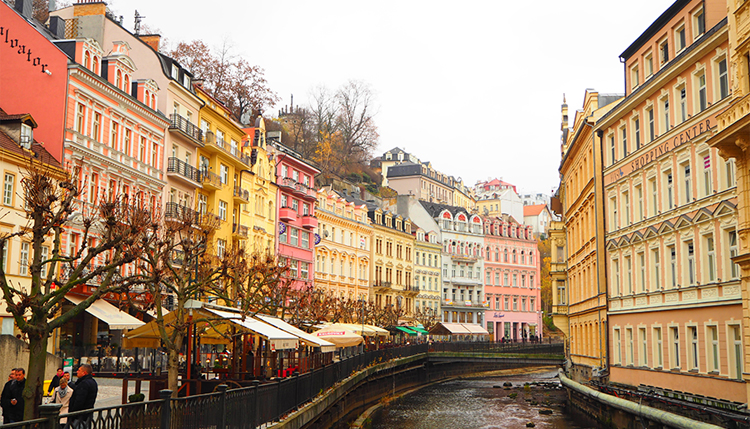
(642, 411)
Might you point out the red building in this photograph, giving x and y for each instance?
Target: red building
(33, 74)
(296, 199)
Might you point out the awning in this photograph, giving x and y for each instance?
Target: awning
(475, 329)
(308, 339)
(108, 314)
(340, 336)
(406, 330)
(364, 330)
(277, 338)
(418, 329)
(148, 334)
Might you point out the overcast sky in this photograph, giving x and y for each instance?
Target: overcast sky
(475, 87)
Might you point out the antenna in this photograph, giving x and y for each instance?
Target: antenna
(137, 26)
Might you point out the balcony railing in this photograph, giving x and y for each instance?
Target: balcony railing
(186, 127)
(178, 211)
(383, 284)
(180, 167)
(235, 151)
(210, 178)
(239, 230)
(241, 193)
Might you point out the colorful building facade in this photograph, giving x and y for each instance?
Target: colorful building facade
(427, 274)
(342, 257)
(296, 197)
(675, 304)
(511, 280)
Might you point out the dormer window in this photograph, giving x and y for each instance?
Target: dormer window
(186, 81)
(118, 79)
(27, 136)
(175, 73)
(87, 60)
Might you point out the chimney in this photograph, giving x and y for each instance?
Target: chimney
(25, 8)
(57, 26)
(151, 40)
(89, 8)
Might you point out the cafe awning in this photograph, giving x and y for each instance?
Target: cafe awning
(148, 334)
(277, 338)
(405, 330)
(108, 314)
(309, 339)
(340, 336)
(475, 329)
(418, 329)
(364, 330)
(449, 329)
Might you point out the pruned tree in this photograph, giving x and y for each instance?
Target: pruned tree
(426, 316)
(85, 244)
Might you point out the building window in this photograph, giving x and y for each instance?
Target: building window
(734, 269)
(24, 259)
(675, 356)
(665, 107)
(616, 275)
(687, 182)
(223, 210)
(673, 265)
(664, 52)
(729, 172)
(699, 24)
(43, 269)
(624, 140)
(736, 355)
(690, 250)
(658, 348)
(642, 272)
(702, 96)
(713, 348)
(657, 269)
(221, 245)
(639, 195)
(670, 189)
(683, 104)
(629, 274)
(224, 171)
(634, 76)
(651, 128)
(629, 346)
(643, 349)
(618, 347)
(80, 118)
(613, 154)
(637, 129)
(95, 131)
(648, 65)
(305, 239)
(8, 187)
(654, 197)
(723, 79)
(711, 258)
(679, 38)
(693, 358)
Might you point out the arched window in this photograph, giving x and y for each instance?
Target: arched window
(497, 254)
(506, 256)
(95, 66)
(153, 101)
(127, 84)
(87, 60)
(118, 79)
(488, 253)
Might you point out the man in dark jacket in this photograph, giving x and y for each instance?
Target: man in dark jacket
(84, 393)
(5, 397)
(16, 395)
(55, 381)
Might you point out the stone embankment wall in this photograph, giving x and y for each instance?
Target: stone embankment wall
(14, 353)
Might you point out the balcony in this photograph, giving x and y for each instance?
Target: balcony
(287, 214)
(309, 222)
(181, 170)
(178, 212)
(241, 195)
(186, 128)
(239, 231)
(381, 286)
(210, 180)
(412, 290)
(221, 146)
(299, 189)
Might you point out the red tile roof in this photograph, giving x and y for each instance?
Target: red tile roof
(533, 210)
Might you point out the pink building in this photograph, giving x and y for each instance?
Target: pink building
(511, 279)
(296, 204)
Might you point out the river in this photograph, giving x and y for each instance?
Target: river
(481, 403)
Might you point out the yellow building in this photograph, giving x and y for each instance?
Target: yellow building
(427, 275)
(261, 182)
(342, 258)
(392, 260)
(558, 274)
(580, 189)
(221, 162)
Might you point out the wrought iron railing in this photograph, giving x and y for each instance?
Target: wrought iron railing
(178, 166)
(211, 178)
(253, 404)
(240, 192)
(178, 211)
(187, 127)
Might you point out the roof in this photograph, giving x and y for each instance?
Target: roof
(38, 151)
(657, 25)
(434, 209)
(533, 210)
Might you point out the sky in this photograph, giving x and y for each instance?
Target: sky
(475, 88)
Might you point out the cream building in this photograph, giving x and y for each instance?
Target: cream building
(343, 252)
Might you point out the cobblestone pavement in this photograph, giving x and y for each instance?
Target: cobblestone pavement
(110, 391)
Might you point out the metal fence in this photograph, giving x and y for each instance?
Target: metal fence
(249, 407)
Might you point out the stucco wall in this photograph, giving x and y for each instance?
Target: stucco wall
(14, 353)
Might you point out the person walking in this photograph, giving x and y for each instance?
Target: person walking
(5, 397)
(55, 380)
(84, 394)
(62, 395)
(16, 395)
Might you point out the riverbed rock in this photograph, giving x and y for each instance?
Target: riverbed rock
(545, 411)
(507, 384)
(530, 425)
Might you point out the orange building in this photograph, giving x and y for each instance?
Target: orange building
(675, 307)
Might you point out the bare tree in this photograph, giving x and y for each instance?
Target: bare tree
(110, 236)
(426, 316)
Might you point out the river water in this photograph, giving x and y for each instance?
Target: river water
(481, 403)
